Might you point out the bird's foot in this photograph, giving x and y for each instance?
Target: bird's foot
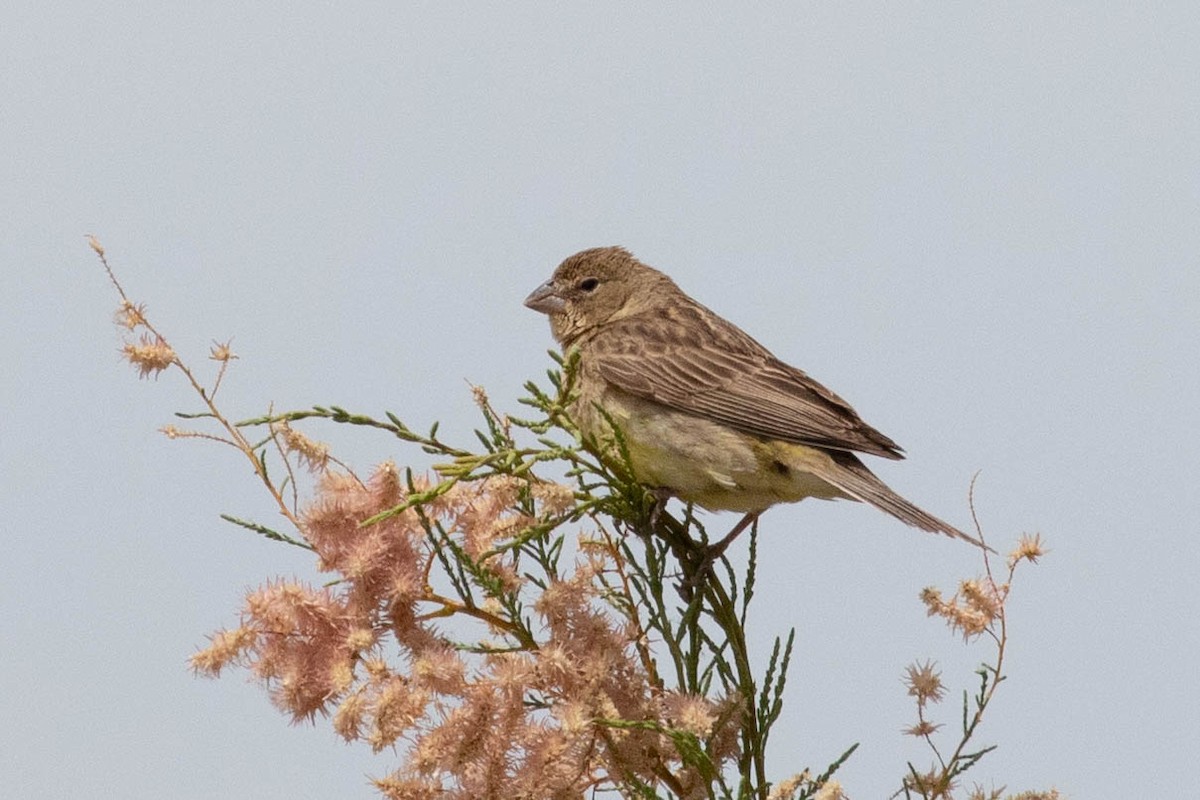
(703, 569)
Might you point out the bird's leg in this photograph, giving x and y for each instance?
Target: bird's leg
(704, 568)
(661, 496)
(714, 551)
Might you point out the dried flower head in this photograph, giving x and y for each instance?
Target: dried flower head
(221, 351)
(313, 454)
(973, 608)
(348, 719)
(830, 790)
(480, 395)
(933, 784)
(554, 499)
(691, 713)
(361, 639)
(786, 789)
(1029, 548)
(225, 647)
(396, 787)
(129, 315)
(922, 729)
(150, 354)
(983, 596)
(924, 683)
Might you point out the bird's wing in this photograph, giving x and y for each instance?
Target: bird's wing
(687, 358)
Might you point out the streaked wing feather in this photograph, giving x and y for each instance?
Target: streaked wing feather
(689, 359)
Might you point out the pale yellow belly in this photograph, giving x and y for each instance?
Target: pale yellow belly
(707, 463)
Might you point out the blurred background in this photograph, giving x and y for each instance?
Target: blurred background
(977, 224)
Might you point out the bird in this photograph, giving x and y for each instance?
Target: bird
(704, 412)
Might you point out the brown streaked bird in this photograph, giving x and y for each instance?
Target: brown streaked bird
(708, 414)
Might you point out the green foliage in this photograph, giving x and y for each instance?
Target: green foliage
(693, 609)
(684, 607)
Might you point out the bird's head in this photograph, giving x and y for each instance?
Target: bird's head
(597, 286)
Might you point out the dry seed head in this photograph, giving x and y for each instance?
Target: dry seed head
(480, 395)
(341, 676)
(786, 789)
(922, 729)
(830, 790)
(692, 713)
(967, 621)
(226, 646)
(347, 721)
(933, 784)
(553, 498)
(377, 669)
(129, 315)
(150, 354)
(973, 608)
(313, 454)
(924, 682)
(220, 352)
(360, 639)
(983, 596)
(932, 598)
(1029, 548)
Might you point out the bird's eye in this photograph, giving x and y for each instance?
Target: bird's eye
(588, 284)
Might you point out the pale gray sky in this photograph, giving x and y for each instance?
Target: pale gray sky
(979, 225)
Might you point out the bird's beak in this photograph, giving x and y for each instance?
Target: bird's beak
(545, 299)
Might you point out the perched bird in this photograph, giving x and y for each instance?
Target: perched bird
(708, 414)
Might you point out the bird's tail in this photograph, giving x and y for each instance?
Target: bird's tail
(852, 477)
